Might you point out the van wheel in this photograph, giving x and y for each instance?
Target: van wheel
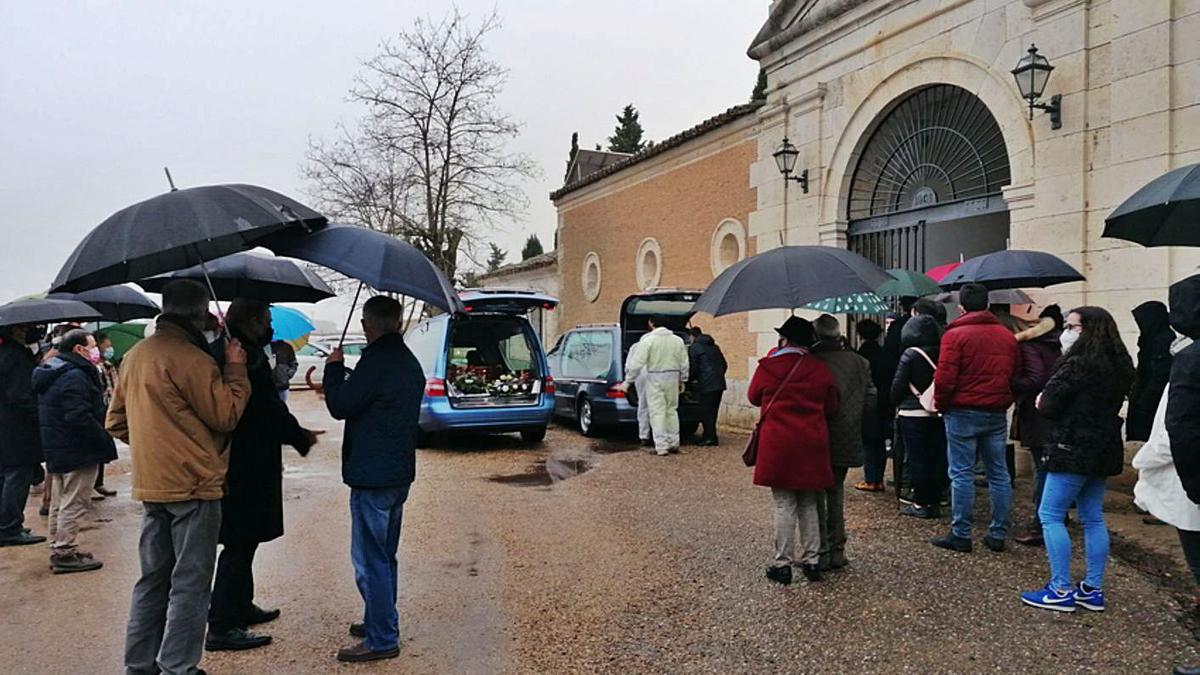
(587, 424)
(533, 434)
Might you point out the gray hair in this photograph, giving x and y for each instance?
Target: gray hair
(827, 327)
(185, 298)
(382, 313)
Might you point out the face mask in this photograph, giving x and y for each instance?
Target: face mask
(109, 353)
(1068, 339)
(210, 336)
(93, 355)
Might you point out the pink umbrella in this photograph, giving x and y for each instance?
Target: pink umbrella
(938, 273)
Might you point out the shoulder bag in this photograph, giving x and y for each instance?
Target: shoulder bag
(750, 454)
(925, 398)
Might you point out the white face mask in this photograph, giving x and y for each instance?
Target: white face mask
(1068, 339)
(210, 336)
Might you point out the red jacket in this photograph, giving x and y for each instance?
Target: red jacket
(978, 360)
(793, 438)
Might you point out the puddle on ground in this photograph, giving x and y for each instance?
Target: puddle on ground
(545, 473)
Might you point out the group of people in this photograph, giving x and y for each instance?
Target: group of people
(202, 408)
(944, 393)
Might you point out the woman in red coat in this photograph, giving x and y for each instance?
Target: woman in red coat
(797, 394)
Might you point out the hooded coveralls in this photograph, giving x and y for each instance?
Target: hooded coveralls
(662, 360)
(637, 376)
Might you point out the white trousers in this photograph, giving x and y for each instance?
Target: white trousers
(662, 394)
(643, 408)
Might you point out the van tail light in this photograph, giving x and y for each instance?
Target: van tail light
(549, 382)
(614, 392)
(435, 387)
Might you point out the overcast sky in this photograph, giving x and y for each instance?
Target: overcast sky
(96, 97)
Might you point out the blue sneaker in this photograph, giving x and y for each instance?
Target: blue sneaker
(1089, 598)
(1049, 598)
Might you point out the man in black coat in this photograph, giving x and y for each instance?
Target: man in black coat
(381, 403)
(71, 412)
(1153, 368)
(1183, 399)
(252, 509)
(20, 442)
(707, 376)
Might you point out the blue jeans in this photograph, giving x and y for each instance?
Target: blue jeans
(969, 432)
(1087, 493)
(375, 515)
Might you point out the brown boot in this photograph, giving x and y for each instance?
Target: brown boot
(1031, 536)
(360, 652)
(73, 561)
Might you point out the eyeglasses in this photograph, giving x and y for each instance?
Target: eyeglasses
(1073, 326)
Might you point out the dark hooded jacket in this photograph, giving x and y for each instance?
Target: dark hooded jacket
(879, 425)
(1082, 402)
(71, 412)
(1040, 350)
(708, 365)
(1183, 401)
(921, 332)
(20, 441)
(1153, 367)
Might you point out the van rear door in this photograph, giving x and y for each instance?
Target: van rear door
(505, 301)
(675, 305)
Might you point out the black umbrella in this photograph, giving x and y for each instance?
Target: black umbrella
(249, 275)
(179, 229)
(380, 261)
(1164, 212)
(35, 311)
(115, 303)
(1012, 269)
(790, 277)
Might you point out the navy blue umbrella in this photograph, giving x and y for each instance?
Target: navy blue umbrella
(115, 303)
(790, 277)
(35, 311)
(1163, 212)
(249, 275)
(1012, 269)
(379, 261)
(179, 229)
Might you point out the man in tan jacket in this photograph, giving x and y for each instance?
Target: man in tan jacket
(176, 409)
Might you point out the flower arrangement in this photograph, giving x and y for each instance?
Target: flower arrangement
(469, 383)
(510, 385)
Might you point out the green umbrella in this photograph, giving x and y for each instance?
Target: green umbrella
(856, 303)
(124, 336)
(907, 283)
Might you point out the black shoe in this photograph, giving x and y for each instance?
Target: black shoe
(994, 544)
(647, 443)
(258, 615)
(953, 543)
(838, 561)
(781, 574)
(358, 630)
(812, 572)
(915, 511)
(360, 653)
(235, 639)
(23, 539)
(708, 443)
(824, 564)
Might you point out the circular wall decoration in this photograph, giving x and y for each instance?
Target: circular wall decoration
(728, 245)
(648, 264)
(591, 276)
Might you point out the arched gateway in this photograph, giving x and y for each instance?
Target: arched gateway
(926, 186)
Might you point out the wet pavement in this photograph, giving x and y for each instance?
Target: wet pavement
(586, 555)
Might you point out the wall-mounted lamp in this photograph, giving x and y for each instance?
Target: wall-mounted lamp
(1032, 73)
(785, 158)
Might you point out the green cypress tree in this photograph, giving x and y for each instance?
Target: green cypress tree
(760, 87)
(533, 247)
(496, 258)
(627, 137)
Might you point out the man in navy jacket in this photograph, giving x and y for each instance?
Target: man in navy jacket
(381, 403)
(71, 412)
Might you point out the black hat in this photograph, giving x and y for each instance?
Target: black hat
(798, 330)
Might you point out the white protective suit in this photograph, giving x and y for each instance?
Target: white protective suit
(1158, 489)
(662, 359)
(637, 376)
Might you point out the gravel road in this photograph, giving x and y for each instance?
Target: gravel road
(513, 563)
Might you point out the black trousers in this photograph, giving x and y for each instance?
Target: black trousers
(710, 406)
(14, 492)
(233, 587)
(925, 444)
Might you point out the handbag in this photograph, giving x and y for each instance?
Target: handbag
(750, 454)
(925, 398)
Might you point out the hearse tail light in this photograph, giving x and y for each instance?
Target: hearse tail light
(549, 382)
(614, 392)
(435, 387)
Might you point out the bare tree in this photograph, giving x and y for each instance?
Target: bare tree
(429, 160)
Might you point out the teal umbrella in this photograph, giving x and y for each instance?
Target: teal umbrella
(289, 324)
(855, 303)
(124, 336)
(907, 283)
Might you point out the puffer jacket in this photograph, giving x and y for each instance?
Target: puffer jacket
(1183, 401)
(978, 360)
(708, 365)
(1040, 350)
(71, 414)
(1153, 367)
(857, 399)
(1084, 410)
(924, 333)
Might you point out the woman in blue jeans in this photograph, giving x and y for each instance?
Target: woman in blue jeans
(1082, 402)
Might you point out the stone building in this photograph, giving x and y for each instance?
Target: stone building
(919, 150)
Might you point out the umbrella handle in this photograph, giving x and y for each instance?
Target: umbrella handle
(212, 292)
(350, 315)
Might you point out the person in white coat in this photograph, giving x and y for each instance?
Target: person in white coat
(637, 375)
(662, 360)
(1159, 489)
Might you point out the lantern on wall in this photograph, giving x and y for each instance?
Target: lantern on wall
(785, 158)
(1032, 73)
